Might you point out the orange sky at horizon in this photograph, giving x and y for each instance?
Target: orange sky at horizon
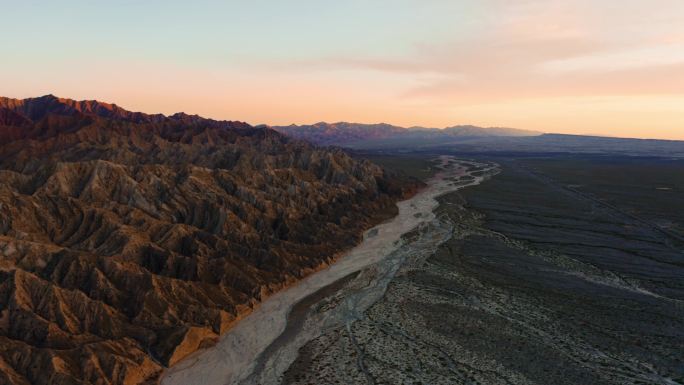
(612, 69)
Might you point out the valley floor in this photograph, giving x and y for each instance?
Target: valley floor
(519, 280)
(261, 347)
(528, 282)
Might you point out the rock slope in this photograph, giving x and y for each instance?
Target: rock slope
(128, 240)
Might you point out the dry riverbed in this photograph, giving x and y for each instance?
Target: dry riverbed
(261, 347)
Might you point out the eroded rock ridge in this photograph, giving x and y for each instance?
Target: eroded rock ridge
(128, 240)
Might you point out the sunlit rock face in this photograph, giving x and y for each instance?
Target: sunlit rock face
(128, 241)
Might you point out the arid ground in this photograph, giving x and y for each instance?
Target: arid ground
(550, 275)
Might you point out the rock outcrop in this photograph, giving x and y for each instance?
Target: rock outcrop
(128, 241)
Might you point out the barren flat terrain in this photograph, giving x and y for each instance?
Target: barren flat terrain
(536, 283)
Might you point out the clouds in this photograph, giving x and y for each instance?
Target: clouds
(544, 49)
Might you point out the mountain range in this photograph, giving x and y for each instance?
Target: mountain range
(352, 134)
(472, 139)
(131, 240)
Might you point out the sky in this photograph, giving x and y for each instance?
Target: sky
(609, 67)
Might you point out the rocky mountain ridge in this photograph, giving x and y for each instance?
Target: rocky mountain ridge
(350, 134)
(472, 139)
(130, 240)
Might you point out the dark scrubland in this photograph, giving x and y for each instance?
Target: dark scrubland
(406, 166)
(651, 189)
(554, 274)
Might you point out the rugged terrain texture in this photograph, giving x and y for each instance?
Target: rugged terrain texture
(128, 241)
(536, 285)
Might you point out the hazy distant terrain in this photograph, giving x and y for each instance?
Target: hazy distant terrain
(472, 139)
(379, 135)
(541, 144)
